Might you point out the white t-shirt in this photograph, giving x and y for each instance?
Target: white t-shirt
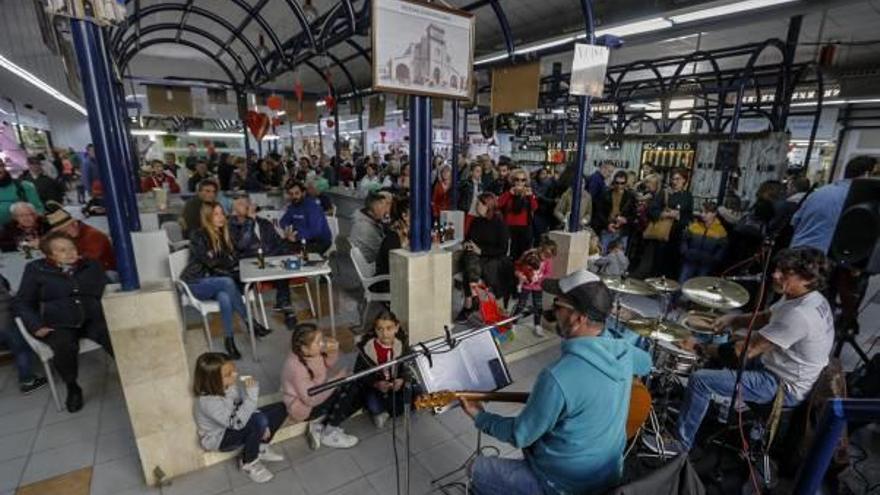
(802, 330)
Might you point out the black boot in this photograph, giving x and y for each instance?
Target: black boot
(74, 400)
(260, 330)
(290, 320)
(229, 343)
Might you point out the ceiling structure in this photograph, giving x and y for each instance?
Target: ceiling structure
(850, 21)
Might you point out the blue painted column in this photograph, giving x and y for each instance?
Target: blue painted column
(577, 188)
(456, 149)
(129, 160)
(420, 173)
(96, 74)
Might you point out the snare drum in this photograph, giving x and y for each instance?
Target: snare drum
(674, 359)
(700, 324)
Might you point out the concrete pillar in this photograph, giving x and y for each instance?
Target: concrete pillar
(573, 249)
(155, 376)
(421, 292)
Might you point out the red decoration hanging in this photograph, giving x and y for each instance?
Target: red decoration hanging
(298, 91)
(275, 102)
(382, 137)
(329, 102)
(276, 121)
(258, 123)
(330, 123)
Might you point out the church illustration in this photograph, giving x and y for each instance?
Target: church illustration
(425, 63)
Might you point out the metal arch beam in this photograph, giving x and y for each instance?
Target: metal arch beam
(191, 29)
(303, 23)
(345, 71)
(505, 27)
(672, 122)
(244, 23)
(155, 9)
(183, 19)
(747, 72)
(641, 116)
(126, 57)
(246, 8)
(645, 64)
(330, 85)
(361, 50)
(349, 10)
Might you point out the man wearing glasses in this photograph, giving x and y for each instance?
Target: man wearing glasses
(615, 212)
(573, 436)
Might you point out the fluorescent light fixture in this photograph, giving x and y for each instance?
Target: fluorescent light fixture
(523, 114)
(270, 137)
(558, 111)
(722, 10)
(320, 103)
(36, 81)
(4, 112)
(637, 27)
(281, 113)
(836, 102)
(641, 106)
(546, 44)
(135, 96)
(148, 132)
(490, 59)
(212, 134)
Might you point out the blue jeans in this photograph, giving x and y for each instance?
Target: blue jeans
(497, 476)
(260, 428)
(606, 237)
(758, 385)
(21, 352)
(226, 293)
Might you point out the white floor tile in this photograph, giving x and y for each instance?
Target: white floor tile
(20, 421)
(114, 446)
(209, 481)
(76, 429)
(10, 472)
(62, 460)
(112, 477)
(328, 472)
(16, 444)
(284, 483)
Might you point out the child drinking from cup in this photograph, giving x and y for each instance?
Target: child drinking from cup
(385, 392)
(311, 357)
(531, 277)
(228, 419)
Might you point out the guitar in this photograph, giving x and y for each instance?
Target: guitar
(639, 402)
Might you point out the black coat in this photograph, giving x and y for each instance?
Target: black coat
(204, 261)
(366, 359)
(628, 210)
(48, 297)
(246, 242)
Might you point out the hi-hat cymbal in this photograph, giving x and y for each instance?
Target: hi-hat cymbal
(659, 329)
(663, 284)
(628, 285)
(717, 293)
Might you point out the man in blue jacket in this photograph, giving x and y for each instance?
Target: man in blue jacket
(306, 220)
(573, 428)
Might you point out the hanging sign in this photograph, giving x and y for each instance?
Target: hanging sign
(588, 70)
(422, 49)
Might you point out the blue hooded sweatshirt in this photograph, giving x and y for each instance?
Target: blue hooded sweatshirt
(573, 427)
(308, 219)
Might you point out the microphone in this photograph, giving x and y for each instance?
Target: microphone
(745, 278)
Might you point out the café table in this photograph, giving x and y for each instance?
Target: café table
(251, 275)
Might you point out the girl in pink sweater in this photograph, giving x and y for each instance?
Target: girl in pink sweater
(307, 366)
(531, 280)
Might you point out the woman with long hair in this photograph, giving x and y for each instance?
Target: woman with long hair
(518, 205)
(212, 270)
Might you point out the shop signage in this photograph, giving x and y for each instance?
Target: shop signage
(668, 145)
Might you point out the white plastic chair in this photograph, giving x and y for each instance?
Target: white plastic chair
(175, 235)
(177, 262)
(149, 221)
(151, 251)
(44, 352)
(366, 274)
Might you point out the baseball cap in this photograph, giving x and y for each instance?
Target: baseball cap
(583, 291)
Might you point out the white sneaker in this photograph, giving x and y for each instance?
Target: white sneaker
(538, 330)
(337, 438)
(269, 455)
(257, 472)
(380, 419)
(313, 435)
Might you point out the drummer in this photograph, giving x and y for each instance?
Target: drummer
(793, 345)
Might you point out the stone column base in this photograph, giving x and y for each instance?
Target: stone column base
(421, 292)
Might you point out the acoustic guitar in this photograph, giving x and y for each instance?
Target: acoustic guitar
(639, 402)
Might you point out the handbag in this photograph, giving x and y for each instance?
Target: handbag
(659, 230)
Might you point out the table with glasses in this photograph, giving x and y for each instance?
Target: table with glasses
(251, 275)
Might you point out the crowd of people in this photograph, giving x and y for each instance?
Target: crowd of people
(505, 250)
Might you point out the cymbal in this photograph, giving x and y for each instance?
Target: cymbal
(717, 293)
(628, 285)
(659, 329)
(663, 284)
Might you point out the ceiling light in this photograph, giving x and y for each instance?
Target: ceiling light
(281, 113)
(558, 111)
(135, 96)
(215, 134)
(546, 44)
(148, 132)
(836, 102)
(320, 103)
(721, 10)
(637, 27)
(489, 59)
(523, 114)
(36, 81)
(268, 137)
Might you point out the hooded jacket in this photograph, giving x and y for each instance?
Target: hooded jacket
(573, 427)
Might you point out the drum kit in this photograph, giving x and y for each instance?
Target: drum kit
(662, 336)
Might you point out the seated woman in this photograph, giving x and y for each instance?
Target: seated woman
(59, 302)
(397, 237)
(307, 365)
(26, 228)
(385, 392)
(212, 270)
(485, 253)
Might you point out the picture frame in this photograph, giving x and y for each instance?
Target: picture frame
(422, 49)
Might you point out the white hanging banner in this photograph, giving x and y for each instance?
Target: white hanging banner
(588, 70)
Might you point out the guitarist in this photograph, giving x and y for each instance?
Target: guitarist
(572, 429)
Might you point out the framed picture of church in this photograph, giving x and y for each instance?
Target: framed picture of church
(422, 49)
